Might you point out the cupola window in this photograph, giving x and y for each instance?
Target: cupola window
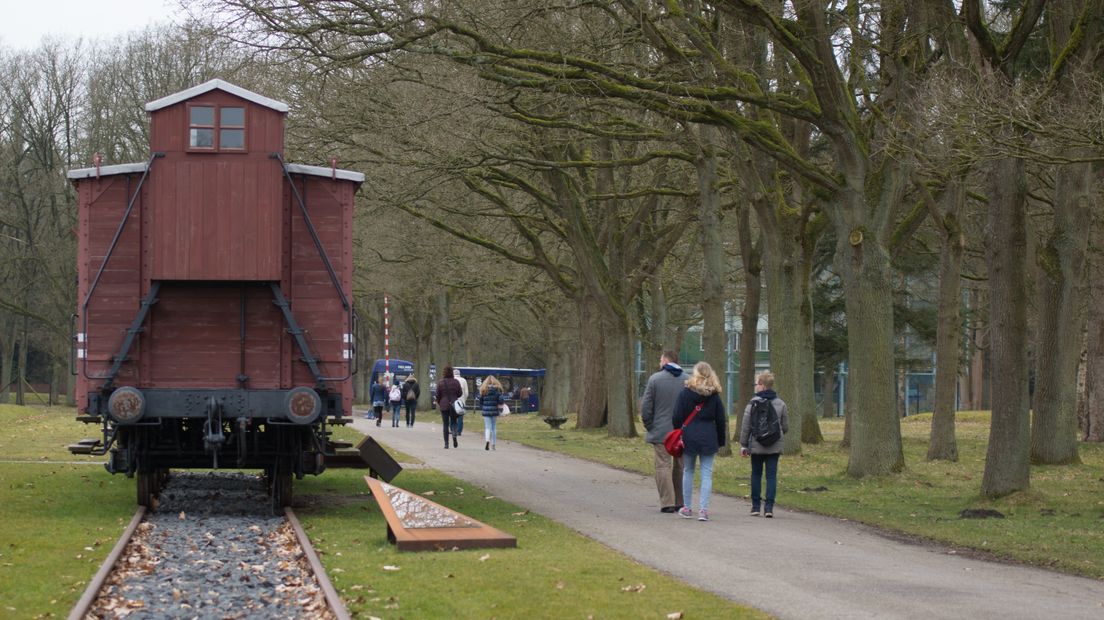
(216, 128)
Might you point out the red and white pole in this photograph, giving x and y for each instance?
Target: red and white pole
(387, 339)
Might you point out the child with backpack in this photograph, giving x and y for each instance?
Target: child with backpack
(766, 422)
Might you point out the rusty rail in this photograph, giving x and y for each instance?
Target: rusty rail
(328, 590)
(92, 592)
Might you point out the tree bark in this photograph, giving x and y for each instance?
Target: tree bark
(828, 388)
(714, 340)
(7, 354)
(791, 334)
(21, 371)
(1094, 340)
(1060, 286)
(749, 316)
(620, 392)
(875, 432)
(1007, 469)
(941, 441)
(590, 400)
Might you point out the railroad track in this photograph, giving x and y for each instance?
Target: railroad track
(212, 548)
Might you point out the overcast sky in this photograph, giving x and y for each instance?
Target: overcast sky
(23, 23)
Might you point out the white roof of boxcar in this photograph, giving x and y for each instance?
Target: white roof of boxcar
(317, 171)
(208, 86)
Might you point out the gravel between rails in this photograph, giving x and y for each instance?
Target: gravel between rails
(212, 549)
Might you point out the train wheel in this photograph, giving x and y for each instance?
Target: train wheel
(147, 487)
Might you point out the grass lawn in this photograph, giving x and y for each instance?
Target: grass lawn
(1058, 523)
(61, 515)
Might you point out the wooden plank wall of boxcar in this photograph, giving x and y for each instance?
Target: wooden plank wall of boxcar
(101, 205)
(315, 301)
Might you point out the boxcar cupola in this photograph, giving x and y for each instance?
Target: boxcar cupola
(216, 212)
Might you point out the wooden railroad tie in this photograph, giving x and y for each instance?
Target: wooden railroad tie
(416, 524)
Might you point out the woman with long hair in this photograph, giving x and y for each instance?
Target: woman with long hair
(490, 401)
(703, 435)
(448, 392)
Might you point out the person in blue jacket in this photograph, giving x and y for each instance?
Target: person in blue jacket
(703, 436)
(490, 402)
(378, 395)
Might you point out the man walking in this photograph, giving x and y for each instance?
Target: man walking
(656, 410)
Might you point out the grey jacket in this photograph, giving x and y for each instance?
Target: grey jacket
(657, 407)
(745, 428)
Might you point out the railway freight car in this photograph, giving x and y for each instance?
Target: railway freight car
(215, 326)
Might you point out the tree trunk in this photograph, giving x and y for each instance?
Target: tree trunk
(590, 398)
(714, 341)
(1007, 469)
(556, 387)
(712, 250)
(21, 371)
(620, 392)
(828, 388)
(7, 354)
(791, 335)
(55, 383)
(1094, 340)
(1061, 319)
(749, 316)
(875, 428)
(658, 329)
(941, 442)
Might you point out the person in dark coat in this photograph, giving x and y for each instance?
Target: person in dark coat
(490, 403)
(764, 457)
(448, 392)
(378, 395)
(657, 408)
(703, 436)
(411, 393)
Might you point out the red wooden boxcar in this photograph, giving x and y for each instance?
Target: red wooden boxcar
(215, 320)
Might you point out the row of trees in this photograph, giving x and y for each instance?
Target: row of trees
(584, 139)
(552, 182)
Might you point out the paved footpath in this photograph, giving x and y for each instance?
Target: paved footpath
(793, 566)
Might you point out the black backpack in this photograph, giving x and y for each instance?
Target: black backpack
(765, 425)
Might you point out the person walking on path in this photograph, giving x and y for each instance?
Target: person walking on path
(377, 394)
(463, 399)
(448, 392)
(703, 436)
(657, 408)
(490, 402)
(763, 457)
(411, 392)
(394, 399)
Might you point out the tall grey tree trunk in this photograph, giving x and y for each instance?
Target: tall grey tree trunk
(1060, 286)
(1007, 468)
(590, 397)
(714, 341)
(791, 335)
(1094, 339)
(712, 251)
(941, 441)
(749, 315)
(21, 371)
(7, 353)
(555, 393)
(875, 432)
(828, 387)
(620, 387)
(658, 329)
